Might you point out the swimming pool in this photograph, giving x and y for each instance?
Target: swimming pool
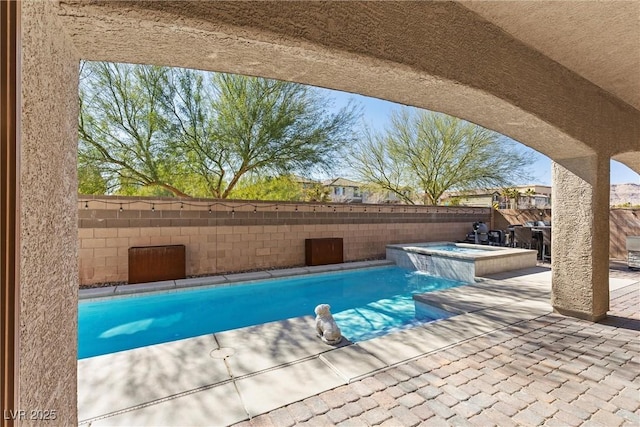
(458, 249)
(365, 303)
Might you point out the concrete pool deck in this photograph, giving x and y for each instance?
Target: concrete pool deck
(280, 373)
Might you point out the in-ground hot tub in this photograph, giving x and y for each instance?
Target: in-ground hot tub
(460, 261)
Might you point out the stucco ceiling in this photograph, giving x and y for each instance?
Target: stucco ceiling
(599, 40)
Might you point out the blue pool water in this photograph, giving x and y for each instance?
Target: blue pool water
(454, 248)
(365, 304)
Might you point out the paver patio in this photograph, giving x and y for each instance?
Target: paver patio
(551, 370)
(505, 359)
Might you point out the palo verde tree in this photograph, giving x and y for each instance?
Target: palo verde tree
(227, 126)
(431, 153)
(283, 187)
(123, 130)
(197, 133)
(90, 180)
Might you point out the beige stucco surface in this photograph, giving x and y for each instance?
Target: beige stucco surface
(608, 59)
(630, 158)
(581, 234)
(48, 217)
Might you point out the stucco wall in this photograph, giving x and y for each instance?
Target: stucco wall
(580, 194)
(48, 218)
(232, 237)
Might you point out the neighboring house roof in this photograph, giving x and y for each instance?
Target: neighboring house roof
(303, 180)
(539, 189)
(342, 182)
(470, 193)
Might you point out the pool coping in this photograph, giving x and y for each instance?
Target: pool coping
(224, 279)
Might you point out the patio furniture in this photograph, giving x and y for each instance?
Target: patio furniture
(511, 239)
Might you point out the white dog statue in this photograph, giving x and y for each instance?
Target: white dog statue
(326, 326)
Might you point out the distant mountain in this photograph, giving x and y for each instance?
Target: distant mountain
(625, 193)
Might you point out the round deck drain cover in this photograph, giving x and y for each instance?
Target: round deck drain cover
(222, 353)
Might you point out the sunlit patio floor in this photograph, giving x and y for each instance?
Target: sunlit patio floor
(504, 359)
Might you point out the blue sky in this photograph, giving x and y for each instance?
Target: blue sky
(376, 113)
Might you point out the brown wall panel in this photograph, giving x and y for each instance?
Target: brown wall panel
(323, 251)
(156, 263)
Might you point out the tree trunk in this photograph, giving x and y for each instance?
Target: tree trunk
(174, 190)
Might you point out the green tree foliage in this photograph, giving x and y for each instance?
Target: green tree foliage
(90, 181)
(229, 125)
(268, 188)
(431, 153)
(198, 134)
(122, 128)
(315, 193)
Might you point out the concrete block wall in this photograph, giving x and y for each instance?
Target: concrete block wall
(623, 222)
(230, 236)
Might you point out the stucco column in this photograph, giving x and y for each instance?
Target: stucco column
(580, 239)
(48, 284)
